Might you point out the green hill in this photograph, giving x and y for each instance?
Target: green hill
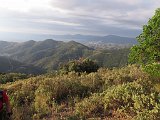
(49, 54)
(4, 45)
(8, 65)
(111, 58)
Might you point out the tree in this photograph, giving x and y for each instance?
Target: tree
(81, 65)
(147, 52)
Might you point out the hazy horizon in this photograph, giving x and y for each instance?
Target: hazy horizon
(22, 20)
(65, 38)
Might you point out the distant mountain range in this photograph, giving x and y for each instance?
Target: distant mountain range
(109, 41)
(50, 54)
(105, 42)
(90, 38)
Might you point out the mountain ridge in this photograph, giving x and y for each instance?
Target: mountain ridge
(89, 38)
(50, 54)
(47, 53)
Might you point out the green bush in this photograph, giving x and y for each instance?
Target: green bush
(147, 52)
(81, 65)
(90, 107)
(132, 98)
(118, 93)
(11, 77)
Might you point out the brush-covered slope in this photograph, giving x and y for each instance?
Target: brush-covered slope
(117, 94)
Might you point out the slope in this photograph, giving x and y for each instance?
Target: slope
(48, 53)
(8, 65)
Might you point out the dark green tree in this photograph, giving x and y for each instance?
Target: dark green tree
(147, 52)
(81, 65)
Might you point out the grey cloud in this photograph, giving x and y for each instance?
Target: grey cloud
(116, 11)
(100, 5)
(100, 17)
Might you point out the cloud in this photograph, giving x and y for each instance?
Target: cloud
(100, 17)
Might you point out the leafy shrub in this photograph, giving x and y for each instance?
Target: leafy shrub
(147, 52)
(11, 77)
(148, 115)
(153, 69)
(118, 93)
(132, 98)
(81, 65)
(90, 107)
(57, 90)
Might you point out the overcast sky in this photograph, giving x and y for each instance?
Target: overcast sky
(22, 18)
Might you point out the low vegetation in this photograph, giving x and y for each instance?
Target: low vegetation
(11, 77)
(123, 93)
(79, 66)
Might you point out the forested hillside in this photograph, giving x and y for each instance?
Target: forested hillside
(8, 65)
(111, 58)
(50, 54)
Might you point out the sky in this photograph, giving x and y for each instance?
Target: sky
(39, 19)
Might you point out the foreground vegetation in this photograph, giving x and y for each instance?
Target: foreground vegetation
(125, 93)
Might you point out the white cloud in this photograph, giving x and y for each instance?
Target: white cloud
(24, 5)
(75, 16)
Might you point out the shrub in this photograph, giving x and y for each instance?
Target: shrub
(81, 65)
(11, 77)
(147, 52)
(132, 98)
(90, 107)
